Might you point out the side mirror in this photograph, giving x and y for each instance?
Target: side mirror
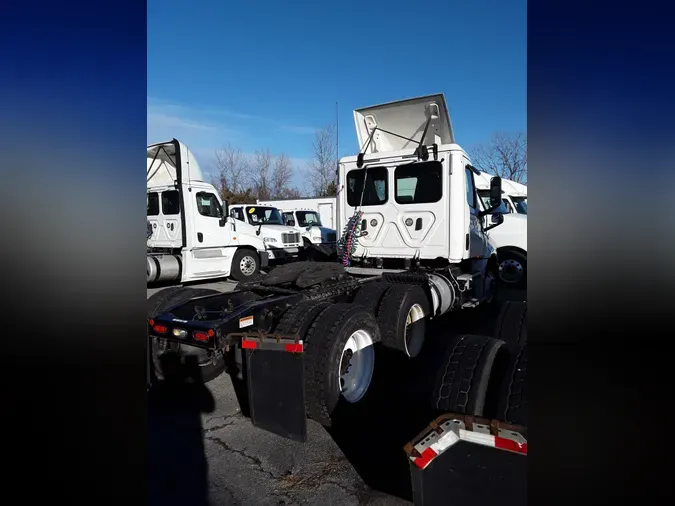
(496, 219)
(291, 223)
(495, 191)
(226, 208)
(222, 221)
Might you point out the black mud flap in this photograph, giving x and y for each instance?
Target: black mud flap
(276, 384)
(463, 460)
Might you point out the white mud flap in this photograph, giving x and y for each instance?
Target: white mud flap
(463, 460)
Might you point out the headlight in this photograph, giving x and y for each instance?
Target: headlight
(269, 239)
(317, 239)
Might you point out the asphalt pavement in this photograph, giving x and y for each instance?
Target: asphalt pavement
(203, 450)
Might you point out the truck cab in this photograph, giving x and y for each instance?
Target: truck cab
(410, 196)
(190, 237)
(281, 240)
(308, 223)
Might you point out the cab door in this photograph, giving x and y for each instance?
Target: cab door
(478, 240)
(209, 254)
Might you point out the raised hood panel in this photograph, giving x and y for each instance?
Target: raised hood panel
(406, 118)
(162, 164)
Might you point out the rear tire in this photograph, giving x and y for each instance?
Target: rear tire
(462, 384)
(297, 320)
(370, 295)
(511, 325)
(512, 406)
(336, 331)
(159, 303)
(402, 316)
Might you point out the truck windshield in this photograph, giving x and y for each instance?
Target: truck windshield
(484, 196)
(264, 216)
(521, 204)
(308, 218)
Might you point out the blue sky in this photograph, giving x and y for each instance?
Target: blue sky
(266, 74)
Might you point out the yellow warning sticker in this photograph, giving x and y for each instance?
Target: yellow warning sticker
(246, 321)
(251, 210)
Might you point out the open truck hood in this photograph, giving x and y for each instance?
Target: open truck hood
(171, 161)
(406, 118)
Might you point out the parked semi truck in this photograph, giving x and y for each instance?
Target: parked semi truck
(509, 239)
(515, 196)
(414, 247)
(325, 206)
(190, 237)
(282, 242)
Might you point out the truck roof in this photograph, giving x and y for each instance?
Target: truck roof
(401, 124)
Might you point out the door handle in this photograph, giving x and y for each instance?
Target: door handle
(200, 237)
(418, 224)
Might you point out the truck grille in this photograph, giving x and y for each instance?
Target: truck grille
(332, 236)
(293, 238)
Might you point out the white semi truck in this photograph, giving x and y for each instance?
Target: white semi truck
(510, 238)
(282, 242)
(325, 206)
(301, 338)
(190, 237)
(318, 240)
(515, 196)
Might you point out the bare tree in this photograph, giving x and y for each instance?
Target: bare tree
(232, 171)
(281, 177)
(321, 168)
(262, 174)
(505, 155)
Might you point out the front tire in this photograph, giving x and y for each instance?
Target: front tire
(245, 264)
(512, 268)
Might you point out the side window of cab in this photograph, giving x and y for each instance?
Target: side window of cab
(471, 191)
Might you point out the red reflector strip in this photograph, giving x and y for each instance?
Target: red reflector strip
(425, 459)
(510, 445)
(294, 348)
(159, 329)
(249, 345)
(200, 336)
(151, 322)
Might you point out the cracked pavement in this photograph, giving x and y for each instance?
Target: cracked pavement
(249, 466)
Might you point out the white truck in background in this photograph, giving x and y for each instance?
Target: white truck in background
(325, 206)
(509, 239)
(282, 242)
(190, 237)
(309, 224)
(515, 196)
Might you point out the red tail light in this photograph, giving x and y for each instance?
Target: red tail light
(201, 336)
(152, 323)
(159, 329)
